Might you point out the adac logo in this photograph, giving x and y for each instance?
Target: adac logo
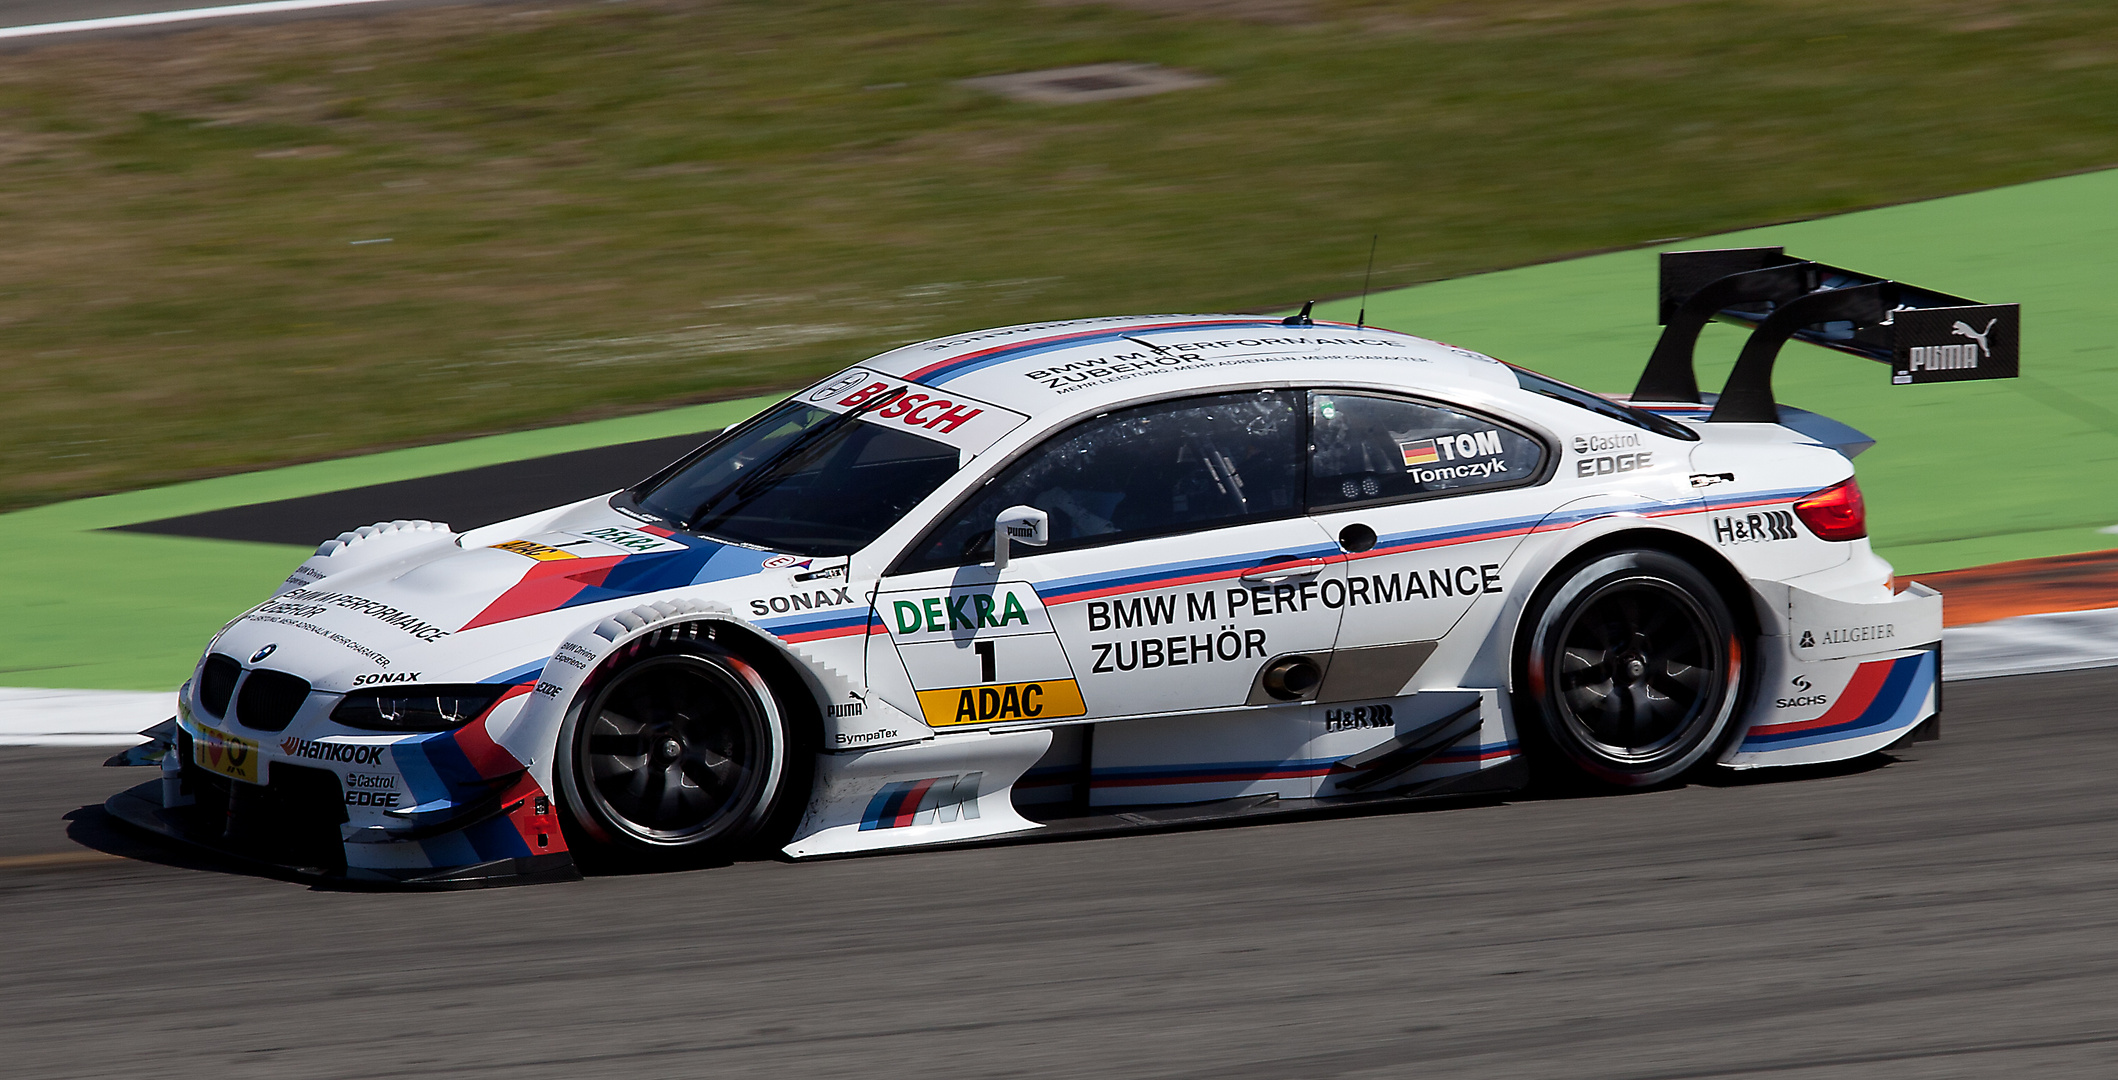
(264, 652)
(998, 702)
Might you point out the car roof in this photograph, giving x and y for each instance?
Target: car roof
(1052, 370)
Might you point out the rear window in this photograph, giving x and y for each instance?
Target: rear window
(1602, 406)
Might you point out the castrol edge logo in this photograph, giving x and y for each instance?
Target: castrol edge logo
(965, 423)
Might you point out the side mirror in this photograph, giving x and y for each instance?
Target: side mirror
(1024, 524)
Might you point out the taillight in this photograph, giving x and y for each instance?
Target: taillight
(1835, 513)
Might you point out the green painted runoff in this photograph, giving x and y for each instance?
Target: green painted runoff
(1962, 474)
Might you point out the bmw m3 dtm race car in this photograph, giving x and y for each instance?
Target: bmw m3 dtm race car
(1097, 573)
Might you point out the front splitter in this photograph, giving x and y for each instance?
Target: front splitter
(141, 808)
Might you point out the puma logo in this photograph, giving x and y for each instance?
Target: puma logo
(1963, 329)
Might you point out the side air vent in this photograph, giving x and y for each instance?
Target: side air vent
(217, 683)
(269, 700)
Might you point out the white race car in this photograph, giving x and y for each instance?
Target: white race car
(1088, 574)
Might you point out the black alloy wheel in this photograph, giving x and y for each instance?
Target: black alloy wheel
(1633, 667)
(681, 753)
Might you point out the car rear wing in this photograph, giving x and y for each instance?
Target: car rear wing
(1925, 336)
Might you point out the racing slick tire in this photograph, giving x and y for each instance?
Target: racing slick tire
(682, 755)
(1632, 667)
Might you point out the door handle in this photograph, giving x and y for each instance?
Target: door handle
(1281, 573)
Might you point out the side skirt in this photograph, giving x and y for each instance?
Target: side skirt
(1508, 776)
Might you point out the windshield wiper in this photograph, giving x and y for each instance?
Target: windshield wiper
(797, 451)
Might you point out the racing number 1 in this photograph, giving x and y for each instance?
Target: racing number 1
(984, 649)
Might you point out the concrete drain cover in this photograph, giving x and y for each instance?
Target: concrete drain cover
(1089, 82)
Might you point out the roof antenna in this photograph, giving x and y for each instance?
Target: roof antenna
(1302, 319)
(1362, 322)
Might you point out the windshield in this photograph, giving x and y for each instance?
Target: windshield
(800, 480)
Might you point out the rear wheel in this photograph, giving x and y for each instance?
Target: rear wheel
(1632, 666)
(682, 755)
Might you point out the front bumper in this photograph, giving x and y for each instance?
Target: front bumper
(471, 815)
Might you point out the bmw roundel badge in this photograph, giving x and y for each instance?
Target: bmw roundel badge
(262, 653)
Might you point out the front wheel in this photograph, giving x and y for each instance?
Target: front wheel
(681, 755)
(1632, 667)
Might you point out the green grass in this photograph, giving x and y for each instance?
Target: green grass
(1962, 474)
(598, 209)
(103, 610)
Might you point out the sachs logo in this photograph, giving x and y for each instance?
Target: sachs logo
(1802, 697)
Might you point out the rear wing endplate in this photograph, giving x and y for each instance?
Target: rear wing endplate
(1925, 336)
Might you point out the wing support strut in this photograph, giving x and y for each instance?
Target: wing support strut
(1924, 335)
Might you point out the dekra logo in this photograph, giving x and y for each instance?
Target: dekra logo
(971, 611)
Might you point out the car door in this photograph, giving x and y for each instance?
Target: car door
(1180, 564)
(1428, 500)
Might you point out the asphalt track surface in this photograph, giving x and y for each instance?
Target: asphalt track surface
(1942, 913)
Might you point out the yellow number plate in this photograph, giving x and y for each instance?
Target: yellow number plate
(231, 756)
(997, 703)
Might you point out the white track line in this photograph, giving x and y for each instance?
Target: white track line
(2027, 644)
(80, 717)
(160, 18)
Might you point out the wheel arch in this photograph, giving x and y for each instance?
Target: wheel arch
(1622, 534)
(656, 630)
(797, 687)
(583, 658)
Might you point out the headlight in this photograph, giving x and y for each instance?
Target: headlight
(417, 708)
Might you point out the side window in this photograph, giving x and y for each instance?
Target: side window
(1174, 466)
(1366, 448)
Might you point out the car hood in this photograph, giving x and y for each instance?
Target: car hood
(447, 612)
